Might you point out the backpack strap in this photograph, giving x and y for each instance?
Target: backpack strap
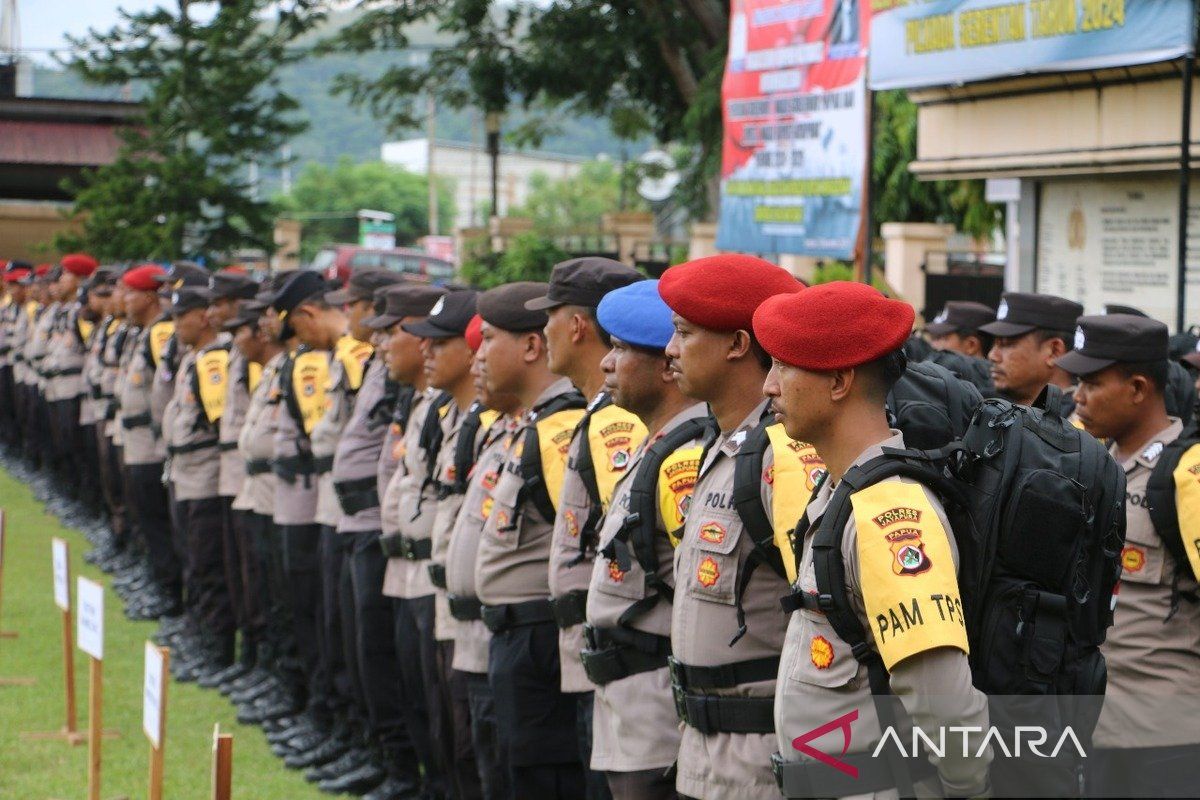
(639, 529)
(1164, 511)
(532, 475)
(430, 441)
(406, 395)
(465, 453)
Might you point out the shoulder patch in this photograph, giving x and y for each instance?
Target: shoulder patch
(793, 475)
(310, 373)
(353, 355)
(554, 441)
(212, 373)
(613, 435)
(1187, 504)
(907, 572)
(160, 332)
(676, 482)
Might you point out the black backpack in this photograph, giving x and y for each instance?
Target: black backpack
(1036, 507)
(976, 371)
(1160, 499)
(931, 404)
(1181, 393)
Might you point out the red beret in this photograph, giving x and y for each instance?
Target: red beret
(142, 278)
(474, 332)
(41, 269)
(832, 326)
(14, 275)
(80, 264)
(721, 292)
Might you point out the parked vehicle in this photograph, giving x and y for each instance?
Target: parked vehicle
(337, 261)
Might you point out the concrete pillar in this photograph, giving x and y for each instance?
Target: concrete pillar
(502, 229)
(287, 245)
(469, 243)
(803, 267)
(634, 230)
(703, 241)
(904, 247)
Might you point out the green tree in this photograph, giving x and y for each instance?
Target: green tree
(529, 257)
(575, 205)
(211, 106)
(327, 199)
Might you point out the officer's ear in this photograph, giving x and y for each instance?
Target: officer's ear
(533, 346)
(842, 383)
(739, 346)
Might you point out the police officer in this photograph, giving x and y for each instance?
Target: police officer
(1147, 740)
(225, 293)
(537, 720)
(409, 507)
(957, 327)
(636, 730)
(143, 451)
(1031, 331)
(831, 391)
(598, 455)
(35, 355)
(191, 432)
(10, 323)
(499, 417)
(447, 366)
(726, 630)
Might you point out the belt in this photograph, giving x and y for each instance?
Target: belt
(500, 618)
(611, 654)
(258, 466)
(870, 775)
(716, 714)
(58, 373)
(437, 574)
(178, 450)
(323, 464)
(416, 549)
(136, 421)
(225, 447)
(358, 495)
(465, 609)
(570, 609)
(289, 467)
(392, 545)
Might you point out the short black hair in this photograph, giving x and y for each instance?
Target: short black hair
(884, 372)
(590, 314)
(764, 358)
(1157, 371)
(986, 340)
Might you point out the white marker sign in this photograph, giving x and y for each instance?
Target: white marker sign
(91, 618)
(152, 696)
(62, 575)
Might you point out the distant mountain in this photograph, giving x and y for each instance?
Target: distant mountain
(336, 129)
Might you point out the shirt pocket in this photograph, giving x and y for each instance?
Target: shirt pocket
(1142, 556)
(715, 567)
(821, 659)
(503, 513)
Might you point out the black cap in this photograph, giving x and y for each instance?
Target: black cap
(1113, 308)
(1184, 344)
(505, 307)
(188, 298)
(271, 286)
(183, 273)
(584, 282)
(231, 286)
(448, 318)
(362, 285)
(960, 316)
(298, 287)
(1022, 312)
(54, 273)
(17, 264)
(394, 303)
(1106, 339)
(248, 314)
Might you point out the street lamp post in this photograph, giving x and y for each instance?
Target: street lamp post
(492, 125)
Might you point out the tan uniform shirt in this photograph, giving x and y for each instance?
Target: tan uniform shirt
(1153, 663)
(94, 406)
(448, 506)
(612, 435)
(711, 554)
(110, 360)
(514, 556)
(256, 443)
(820, 679)
(361, 447)
(162, 388)
(295, 501)
(191, 438)
(635, 726)
(339, 405)
(237, 403)
(20, 326)
(407, 507)
(39, 342)
(471, 637)
(135, 379)
(65, 354)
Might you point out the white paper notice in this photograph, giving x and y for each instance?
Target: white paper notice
(91, 618)
(62, 575)
(152, 696)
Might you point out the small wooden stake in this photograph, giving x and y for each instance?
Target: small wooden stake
(222, 765)
(156, 753)
(95, 726)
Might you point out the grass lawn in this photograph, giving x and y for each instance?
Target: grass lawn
(37, 770)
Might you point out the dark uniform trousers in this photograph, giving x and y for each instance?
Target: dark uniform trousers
(373, 657)
(347, 706)
(427, 680)
(20, 413)
(39, 443)
(410, 628)
(537, 722)
(108, 456)
(66, 448)
(207, 594)
(9, 426)
(151, 526)
(490, 758)
(455, 716)
(253, 531)
(302, 577)
(280, 633)
(235, 553)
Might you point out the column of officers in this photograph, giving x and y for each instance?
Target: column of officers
(530, 542)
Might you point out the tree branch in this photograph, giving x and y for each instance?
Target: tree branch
(674, 57)
(712, 18)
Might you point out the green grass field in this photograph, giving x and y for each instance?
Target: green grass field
(37, 770)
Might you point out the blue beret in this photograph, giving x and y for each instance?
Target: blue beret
(637, 314)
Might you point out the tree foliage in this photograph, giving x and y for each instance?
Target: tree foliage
(211, 106)
(528, 257)
(574, 205)
(327, 199)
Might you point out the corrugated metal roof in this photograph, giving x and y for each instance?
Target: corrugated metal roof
(66, 143)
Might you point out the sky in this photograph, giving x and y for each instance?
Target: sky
(43, 22)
